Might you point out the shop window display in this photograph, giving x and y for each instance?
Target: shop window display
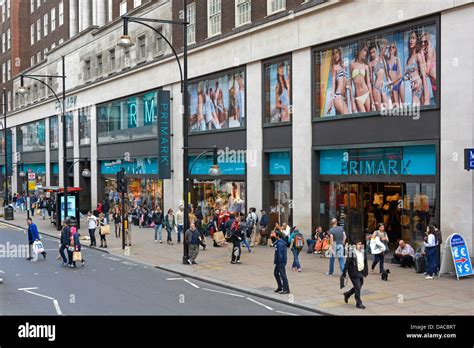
(280, 204)
(145, 192)
(223, 195)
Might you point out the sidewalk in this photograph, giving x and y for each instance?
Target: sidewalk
(406, 293)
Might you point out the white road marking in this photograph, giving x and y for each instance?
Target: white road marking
(112, 269)
(128, 263)
(1, 271)
(174, 278)
(17, 275)
(187, 281)
(55, 302)
(55, 272)
(111, 258)
(286, 313)
(259, 303)
(36, 274)
(93, 270)
(224, 293)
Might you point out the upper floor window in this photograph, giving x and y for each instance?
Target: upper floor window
(137, 3)
(87, 70)
(32, 33)
(99, 65)
(9, 39)
(4, 42)
(123, 8)
(45, 25)
(274, 6)
(32, 6)
(8, 8)
(112, 59)
(243, 10)
(141, 48)
(214, 17)
(38, 3)
(191, 14)
(53, 19)
(61, 13)
(9, 70)
(38, 29)
(4, 10)
(159, 42)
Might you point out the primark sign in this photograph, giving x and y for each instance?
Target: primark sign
(390, 167)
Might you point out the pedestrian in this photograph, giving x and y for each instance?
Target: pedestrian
(106, 207)
(357, 268)
(337, 237)
(170, 224)
(378, 248)
(157, 218)
(33, 236)
(245, 232)
(199, 227)
(279, 260)
(439, 240)
(64, 241)
(103, 227)
(311, 243)
(263, 230)
(128, 221)
(404, 254)
(430, 250)
(236, 240)
(296, 245)
(180, 222)
(74, 246)
(117, 218)
(192, 238)
(215, 225)
(92, 226)
(32, 207)
(252, 221)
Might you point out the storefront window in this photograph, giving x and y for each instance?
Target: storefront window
(128, 119)
(217, 102)
(54, 132)
(31, 137)
(141, 191)
(280, 204)
(278, 91)
(84, 126)
(387, 74)
(223, 195)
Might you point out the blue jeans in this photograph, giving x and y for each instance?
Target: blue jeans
(159, 232)
(311, 243)
(296, 260)
(246, 243)
(180, 230)
(168, 230)
(339, 253)
(431, 261)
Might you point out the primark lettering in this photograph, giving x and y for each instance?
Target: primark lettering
(390, 167)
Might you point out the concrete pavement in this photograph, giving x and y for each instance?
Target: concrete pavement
(406, 293)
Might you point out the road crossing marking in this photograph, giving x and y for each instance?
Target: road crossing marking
(187, 281)
(174, 278)
(55, 302)
(260, 304)
(224, 293)
(286, 313)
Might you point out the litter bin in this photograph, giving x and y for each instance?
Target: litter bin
(8, 213)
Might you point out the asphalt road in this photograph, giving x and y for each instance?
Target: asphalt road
(111, 285)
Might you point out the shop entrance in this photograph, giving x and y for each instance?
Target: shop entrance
(405, 208)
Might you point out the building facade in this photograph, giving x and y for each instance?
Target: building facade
(315, 117)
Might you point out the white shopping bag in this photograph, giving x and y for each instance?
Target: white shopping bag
(38, 247)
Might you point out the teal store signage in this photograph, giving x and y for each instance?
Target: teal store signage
(407, 160)
(134, 166)
(203, 164)
(164, 135)
(279, 163)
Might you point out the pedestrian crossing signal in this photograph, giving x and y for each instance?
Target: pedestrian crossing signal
(121, 181)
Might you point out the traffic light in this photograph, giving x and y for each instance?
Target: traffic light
(121, 181)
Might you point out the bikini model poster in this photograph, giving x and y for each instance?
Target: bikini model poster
(277, 96)
(376, 73)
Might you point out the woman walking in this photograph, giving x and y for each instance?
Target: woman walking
(378, 247)
(296, 245)
(170, 224)
(117, 218)
(75, 246)
(430, 249)
(102, 230)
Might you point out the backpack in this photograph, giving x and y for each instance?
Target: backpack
(299, 241)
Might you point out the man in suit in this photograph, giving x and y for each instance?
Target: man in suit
(357, 268)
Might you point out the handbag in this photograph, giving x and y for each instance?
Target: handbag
(38, 247)
(105, 230)
(76, 256)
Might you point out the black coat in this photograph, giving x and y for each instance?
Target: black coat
(351, 266)
(65, 235)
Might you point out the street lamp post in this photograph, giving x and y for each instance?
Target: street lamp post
(23, 175)
(5, 109)
(62, 101)
(125, 42)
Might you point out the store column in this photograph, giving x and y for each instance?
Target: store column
(254, 137)
(47, 153)
(93, 161)
(15, 170)
(76, 151)
(60, 151)
(73, 18)
(302, 135)
(173, 190)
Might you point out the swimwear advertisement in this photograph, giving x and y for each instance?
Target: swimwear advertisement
(217, 102)
(378, 74)
(278, 92)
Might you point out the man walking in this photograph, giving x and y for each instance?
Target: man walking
(33, 235)
(279, 261)
(92, 226)
(338, 239)
(356, 266)
(180, 222)
(192, 238)
(65, 241)
(157, 219)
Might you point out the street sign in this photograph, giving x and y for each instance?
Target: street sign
(469, 159)
(31, 185)
(164, 135)
(31, 176)
(462, 262)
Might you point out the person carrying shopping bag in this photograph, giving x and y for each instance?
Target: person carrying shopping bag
(74, 251)
(104, 230)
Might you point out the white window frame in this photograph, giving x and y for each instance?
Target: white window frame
(32, 34)
(32, 60)
(53, 19)
(4, 72)
(61, 13)
(38, 3)
(8, 8)
(112, 53)
(141, 49)
(9, 70)
(4, 12)
(9, 39)
(38, 29)
(217, 15)
(123, 8)
(4, 42)
(137, 3)
(32, 6)
(38, 57)
(273, 3)
(238, 15)
(191, 18)
(45, 24)
(159, 42)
